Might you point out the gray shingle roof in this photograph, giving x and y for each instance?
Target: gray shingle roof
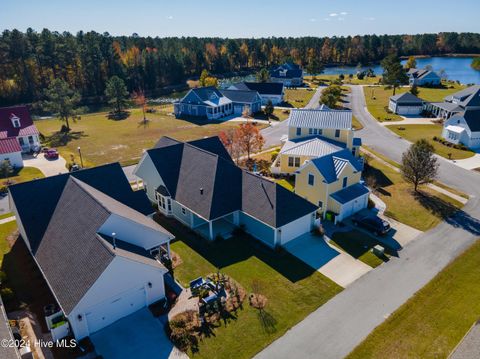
(309, 118)
(406, 98)
(289, 69)
(243, 96)
(467, 97)
(348, 194)
(420, 73)
(263, 88)
(72, 255)
(472, 118)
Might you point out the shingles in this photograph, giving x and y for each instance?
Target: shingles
(406, 97)
(310, 118)
(244, 96)
(263, 88)
(472, 118)
(213, 145)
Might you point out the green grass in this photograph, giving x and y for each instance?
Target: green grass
(5, 230)
(293, 289)
(6, 215)
(278, 115)
(358, 245)
(377, 98)
(104, 140)
(382, 157)
(298, 98)
(327, 79)
(435, 319)
(414, 133)
(423, 210)
(287, 183)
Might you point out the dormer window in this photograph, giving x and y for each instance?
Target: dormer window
(15, 121)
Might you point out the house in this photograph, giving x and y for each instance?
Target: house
(268, 91)
(405, 104)
(94, 243)
(332, 182)
(460, 101)
(335, 125)
(16, 125)
(244, 100)
(463, 128)
(289, 74)
(423, 77)
(198, 184)
(205, 102)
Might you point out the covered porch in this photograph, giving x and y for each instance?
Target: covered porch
(443, 110)
(220, 227)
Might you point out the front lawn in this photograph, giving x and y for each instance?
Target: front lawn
(278, 115)
(103, 140)
(5, 230)
(358, 245)
(287, 183)
(293, 289)
(435, 319)
(20, 175)
(328, 79)
(422, 210)
(414, 133)
(298, 98)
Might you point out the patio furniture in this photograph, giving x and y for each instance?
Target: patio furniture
(196, 285)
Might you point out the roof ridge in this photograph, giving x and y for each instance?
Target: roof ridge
(81, 184)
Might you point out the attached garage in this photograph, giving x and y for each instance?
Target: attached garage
(115, 308)
(350, 200)
(406, 104)
(295, 229)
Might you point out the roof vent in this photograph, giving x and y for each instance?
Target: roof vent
(201, 190)
(113, 240)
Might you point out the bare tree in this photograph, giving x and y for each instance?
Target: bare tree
(419, 165)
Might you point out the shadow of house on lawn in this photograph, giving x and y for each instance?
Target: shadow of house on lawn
(60, 138)
(223, 253)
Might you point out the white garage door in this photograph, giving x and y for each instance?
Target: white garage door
(409, 110)
(295, 229)
(115, 308)
(353, 207)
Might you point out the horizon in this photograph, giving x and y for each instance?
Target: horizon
(324, 19)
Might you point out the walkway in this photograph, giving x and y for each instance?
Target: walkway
(48, 167)
(336, 328)
(410, 121)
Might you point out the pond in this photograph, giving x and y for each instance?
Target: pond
(456, 68)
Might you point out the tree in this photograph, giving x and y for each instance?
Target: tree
(62, 101)
(207, 80)
(393, 72)
(6, 169)
(141, 101)
(249, 138)
(268, 110)
(228, 138)
(476, 63)
(331, 95)
(419, 165)
(116, 92)
(314, 66)
(414, 90)
(411, 63)
(263, 75)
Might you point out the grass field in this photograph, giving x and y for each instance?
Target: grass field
(422, 210)
(358, 245)
(434, 320)
(414, 133)
(5, 230)
(298, 98)
(377, 98)
(23, 174)
(327, 79)
(293, 289)
(103, 140)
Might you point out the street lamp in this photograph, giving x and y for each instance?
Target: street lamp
(80, 153)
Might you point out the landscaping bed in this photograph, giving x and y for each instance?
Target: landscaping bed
(435, 319)
(292, 288)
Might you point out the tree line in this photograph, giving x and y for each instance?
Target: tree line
(30, 61)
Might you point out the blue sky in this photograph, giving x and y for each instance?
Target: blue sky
(243, 18)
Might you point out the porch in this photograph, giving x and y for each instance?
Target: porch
(222, 227)
(214, 113)
(443, 110)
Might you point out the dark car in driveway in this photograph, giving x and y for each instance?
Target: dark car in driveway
(374, 224)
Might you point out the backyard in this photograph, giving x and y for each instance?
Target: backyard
(414, 133)
(298, 98)
(377, 98)
(19, 175)
(435, 319)
(423, 210)
(103, 140)
(292, 288)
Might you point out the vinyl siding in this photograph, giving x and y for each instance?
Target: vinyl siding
(346, 136)
(257, 229)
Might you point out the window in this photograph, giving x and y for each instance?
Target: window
(320, 131)
(315, 131)
(30, 139)
(354, 151)
(184, 210)
(21, 140)
(16, 124)
(290, 161)
(320, 204)
(15, 121)
(345, 180)
(293, 161)
(337, 133)
(297, 161)
(310, 131)
(311, 179)
(299, 131)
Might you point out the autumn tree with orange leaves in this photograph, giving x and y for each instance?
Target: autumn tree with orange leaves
(141, 101)
(246, 139)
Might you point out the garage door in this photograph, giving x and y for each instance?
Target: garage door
(295, 229)
(353, 207)
(409, 110)
(114, 309)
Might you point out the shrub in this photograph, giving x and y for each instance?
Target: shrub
(3, 277)
(7, 294)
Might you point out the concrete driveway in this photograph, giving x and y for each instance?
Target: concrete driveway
(139, 336)
(333, 263)
(48, 167)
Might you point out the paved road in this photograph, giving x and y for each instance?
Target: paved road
(336, 328)
(273, 134)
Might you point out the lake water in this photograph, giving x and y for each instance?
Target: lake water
(456, 68)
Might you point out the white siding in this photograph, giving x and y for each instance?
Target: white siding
(121, 278)
(296, 228)
(148, 173)
(15, 158)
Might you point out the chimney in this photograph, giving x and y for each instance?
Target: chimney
(113, 240)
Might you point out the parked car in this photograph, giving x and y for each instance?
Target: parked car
(44, 149)
(51, 154)
(374, 224)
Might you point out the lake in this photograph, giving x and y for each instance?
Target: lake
(456, 68)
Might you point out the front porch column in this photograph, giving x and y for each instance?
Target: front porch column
(168, 249)
(210, 229)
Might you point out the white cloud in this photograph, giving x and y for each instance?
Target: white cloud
(333, 14)
(344, 13)
(313, 20)
(170, 17)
